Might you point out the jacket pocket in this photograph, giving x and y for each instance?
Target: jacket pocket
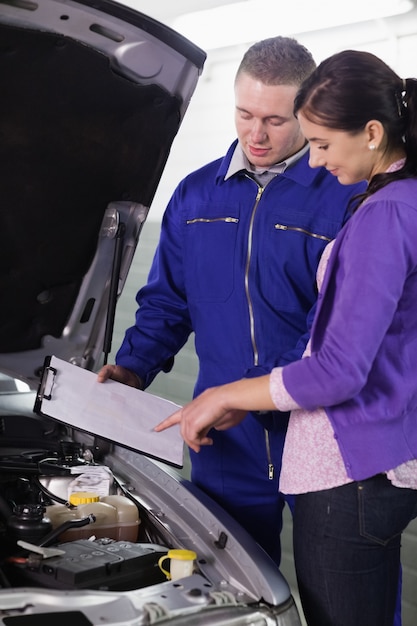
(210, 250)
(304, 231)
(288, 260)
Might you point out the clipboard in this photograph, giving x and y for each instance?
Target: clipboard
(111, 410)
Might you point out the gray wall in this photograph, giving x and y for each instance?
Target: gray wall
(206, 131)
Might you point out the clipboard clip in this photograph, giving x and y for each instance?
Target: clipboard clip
(47, 383)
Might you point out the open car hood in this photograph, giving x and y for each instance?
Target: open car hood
(93, 94)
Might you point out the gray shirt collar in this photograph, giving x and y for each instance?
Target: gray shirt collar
(240, 162)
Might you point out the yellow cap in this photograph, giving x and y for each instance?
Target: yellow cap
(182, 555)
(83, 497)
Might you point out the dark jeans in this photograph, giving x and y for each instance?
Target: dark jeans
(347, 551)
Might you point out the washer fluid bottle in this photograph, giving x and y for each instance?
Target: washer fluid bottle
(116, 516)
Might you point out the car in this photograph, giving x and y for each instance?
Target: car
(93, 95)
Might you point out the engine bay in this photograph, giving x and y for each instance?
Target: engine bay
(66, 521)
(85, 524)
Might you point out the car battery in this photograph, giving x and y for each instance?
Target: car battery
(101, 564)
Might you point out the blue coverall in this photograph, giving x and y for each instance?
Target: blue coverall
(236, 265)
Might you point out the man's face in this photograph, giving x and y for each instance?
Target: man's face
(266, 127)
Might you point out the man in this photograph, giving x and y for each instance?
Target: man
(240, 242)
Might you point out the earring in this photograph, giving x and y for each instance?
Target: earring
(372, 146)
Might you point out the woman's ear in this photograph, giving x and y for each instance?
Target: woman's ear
(375, 133)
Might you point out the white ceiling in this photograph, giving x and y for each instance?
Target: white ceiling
(247, 29)
(167, 10)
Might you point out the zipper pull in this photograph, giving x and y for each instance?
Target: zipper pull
(270, 471)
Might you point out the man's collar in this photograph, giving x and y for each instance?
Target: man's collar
(239, 162)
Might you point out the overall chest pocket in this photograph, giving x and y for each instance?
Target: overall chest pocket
(209, 258)
(287, 265)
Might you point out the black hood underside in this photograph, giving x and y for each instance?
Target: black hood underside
(75, 135)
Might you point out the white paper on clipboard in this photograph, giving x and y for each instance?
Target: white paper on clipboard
(111, 410)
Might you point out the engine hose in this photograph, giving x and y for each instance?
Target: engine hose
(49, 494)
(72, 523)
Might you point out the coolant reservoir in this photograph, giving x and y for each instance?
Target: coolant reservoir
(117, 517)
(127, 517)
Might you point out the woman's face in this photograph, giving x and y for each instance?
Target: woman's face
(346, 156)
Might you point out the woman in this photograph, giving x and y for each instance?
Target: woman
(351, 448)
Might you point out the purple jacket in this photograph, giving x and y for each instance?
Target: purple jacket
(363, 367)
